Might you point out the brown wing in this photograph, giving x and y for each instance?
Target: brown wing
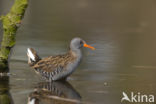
(52, 63)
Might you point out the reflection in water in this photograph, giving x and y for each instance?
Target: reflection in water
(54, 92)
(5, 96)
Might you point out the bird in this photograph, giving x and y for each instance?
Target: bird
(58, 67)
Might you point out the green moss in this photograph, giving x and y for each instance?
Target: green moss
(11, 23)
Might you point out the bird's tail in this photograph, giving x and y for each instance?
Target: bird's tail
(33, 57)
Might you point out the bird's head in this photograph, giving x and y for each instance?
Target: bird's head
(78, 43)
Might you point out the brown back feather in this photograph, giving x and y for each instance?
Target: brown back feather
(51, 63)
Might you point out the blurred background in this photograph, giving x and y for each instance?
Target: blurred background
(122, 31)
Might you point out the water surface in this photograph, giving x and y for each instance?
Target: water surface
(123, 33)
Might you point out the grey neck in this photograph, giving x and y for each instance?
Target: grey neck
(77, 53)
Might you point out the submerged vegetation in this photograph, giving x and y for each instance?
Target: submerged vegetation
(11, 23)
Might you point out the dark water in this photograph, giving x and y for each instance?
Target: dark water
(123, 33)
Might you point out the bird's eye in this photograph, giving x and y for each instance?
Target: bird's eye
(81, 42)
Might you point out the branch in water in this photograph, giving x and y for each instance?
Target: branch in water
(11, 23)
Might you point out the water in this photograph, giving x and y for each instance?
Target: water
(123, 33)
